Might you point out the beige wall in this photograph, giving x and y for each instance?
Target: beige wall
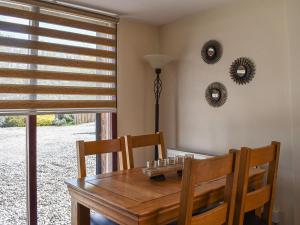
(135, 98)
(293, 21)
(256, 113)
(266, 109)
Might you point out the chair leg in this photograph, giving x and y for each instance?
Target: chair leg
(80, 215)
(258, 212)
(267, 214)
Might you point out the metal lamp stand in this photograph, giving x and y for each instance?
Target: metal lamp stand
(157, 92)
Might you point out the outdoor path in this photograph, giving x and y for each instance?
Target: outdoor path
(56, 163)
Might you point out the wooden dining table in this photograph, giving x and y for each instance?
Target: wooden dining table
(129, 197)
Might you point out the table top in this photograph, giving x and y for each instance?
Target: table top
(135, 193)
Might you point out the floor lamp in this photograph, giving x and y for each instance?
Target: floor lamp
(157, 62)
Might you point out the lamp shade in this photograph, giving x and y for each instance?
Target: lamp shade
(158, 61)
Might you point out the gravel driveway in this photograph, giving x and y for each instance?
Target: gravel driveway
(56, 163)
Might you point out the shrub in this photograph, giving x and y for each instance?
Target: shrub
(45, 120)
(58, 122)
(42, 120)
(69, 119)
(2, 121)
(64, 119)
(14, 121)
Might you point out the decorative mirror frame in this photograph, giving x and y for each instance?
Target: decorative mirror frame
(216, 46)
(249, 66)
(223, 94)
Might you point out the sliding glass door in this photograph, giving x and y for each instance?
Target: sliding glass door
(58, 85)
(13, 170)
(56, 161)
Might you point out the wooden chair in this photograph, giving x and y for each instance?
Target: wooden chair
(99, 147)
(144, 141)
(197, 171)
(262, 197)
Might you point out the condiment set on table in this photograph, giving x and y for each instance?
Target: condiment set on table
(157, 168)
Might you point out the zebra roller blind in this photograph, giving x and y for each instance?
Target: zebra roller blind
(56, 58)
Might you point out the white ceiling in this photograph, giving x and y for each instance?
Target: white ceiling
(156, 12)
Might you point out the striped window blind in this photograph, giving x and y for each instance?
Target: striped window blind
(55, 58)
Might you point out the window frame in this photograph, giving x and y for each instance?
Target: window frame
(31, 161)
(31, 135)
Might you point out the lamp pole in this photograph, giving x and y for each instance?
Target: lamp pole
(157, 62)
(157, 92)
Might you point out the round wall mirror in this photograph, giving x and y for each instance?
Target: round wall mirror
(216, 94)
(211, 52)
(242, 70)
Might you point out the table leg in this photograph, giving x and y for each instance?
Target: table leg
(80, 214)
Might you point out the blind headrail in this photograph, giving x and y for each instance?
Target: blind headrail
(74, 9)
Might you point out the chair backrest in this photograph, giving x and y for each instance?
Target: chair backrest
(99, 147)
(144, 141)
(197, 171)
(264, 196)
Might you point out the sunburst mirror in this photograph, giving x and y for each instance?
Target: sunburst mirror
(211, 52)
(216, 94)
(242, 70)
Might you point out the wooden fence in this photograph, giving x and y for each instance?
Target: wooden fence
(84, 118)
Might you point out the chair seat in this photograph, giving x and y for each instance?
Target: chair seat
(98, 219)
(252, 219)
(199, 211)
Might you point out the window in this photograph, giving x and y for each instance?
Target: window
(56, 162)
(12, 170)
(58, 73)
